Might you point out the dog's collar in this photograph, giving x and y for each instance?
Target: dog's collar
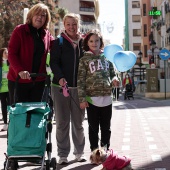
(106, 156)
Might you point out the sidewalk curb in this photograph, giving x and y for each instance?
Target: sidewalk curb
(151, 99)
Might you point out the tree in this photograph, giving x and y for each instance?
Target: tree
(62, 12)
(11, 14)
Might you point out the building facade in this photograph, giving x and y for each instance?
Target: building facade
(87, 9)
(147, 31)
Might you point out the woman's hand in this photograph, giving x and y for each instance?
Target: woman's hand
(24, 75)
(62, 82)
(83, 105)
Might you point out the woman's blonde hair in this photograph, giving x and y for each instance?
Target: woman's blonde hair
(38, 9)
(72, 15)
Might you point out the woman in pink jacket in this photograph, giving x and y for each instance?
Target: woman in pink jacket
(127, 80)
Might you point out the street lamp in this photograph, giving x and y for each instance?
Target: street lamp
(140, 64)
(154, 51)
(153, 45)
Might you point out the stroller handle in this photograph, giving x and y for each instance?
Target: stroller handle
(38, 74)
(47, 82)
(33, 75)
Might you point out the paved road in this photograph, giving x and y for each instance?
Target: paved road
(140, 130)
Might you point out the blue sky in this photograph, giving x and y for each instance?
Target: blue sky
(112, 14)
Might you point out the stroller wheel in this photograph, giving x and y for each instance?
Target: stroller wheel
(47, 164)
(53, 163)
(14, 165)
(5, 164)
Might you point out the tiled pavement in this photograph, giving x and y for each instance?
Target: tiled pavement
(134, 133)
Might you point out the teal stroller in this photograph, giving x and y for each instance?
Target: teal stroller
(29, 130)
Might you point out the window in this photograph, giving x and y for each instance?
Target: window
(144, 9)
(145, 30)
(136, 46)
(135, 4)
(145, 51)
(136, 32)
(135, 18)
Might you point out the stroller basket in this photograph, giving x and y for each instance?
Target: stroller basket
(27, 121)
(128, 87)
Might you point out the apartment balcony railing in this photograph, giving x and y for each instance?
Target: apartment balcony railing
(86, 23)
(85, 9)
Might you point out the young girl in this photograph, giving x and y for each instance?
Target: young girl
(95, 80)
(4, 95)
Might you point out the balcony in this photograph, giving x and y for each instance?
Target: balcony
(91, 9)
(87, 18)
(87, 8)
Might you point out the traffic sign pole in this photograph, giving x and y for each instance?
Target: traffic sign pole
(164, 55)
(165, 76)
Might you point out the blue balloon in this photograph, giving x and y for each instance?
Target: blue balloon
(110, 50)
(124, 60)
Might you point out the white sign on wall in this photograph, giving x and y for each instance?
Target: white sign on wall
(153, 65)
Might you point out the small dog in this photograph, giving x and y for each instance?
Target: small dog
(110, 160)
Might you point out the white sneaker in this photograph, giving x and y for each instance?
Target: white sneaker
(5, 127)
(80, 158)
(63, 161)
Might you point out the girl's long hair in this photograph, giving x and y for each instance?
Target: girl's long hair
(87, 37)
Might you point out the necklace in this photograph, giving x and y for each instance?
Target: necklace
(38, 34)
